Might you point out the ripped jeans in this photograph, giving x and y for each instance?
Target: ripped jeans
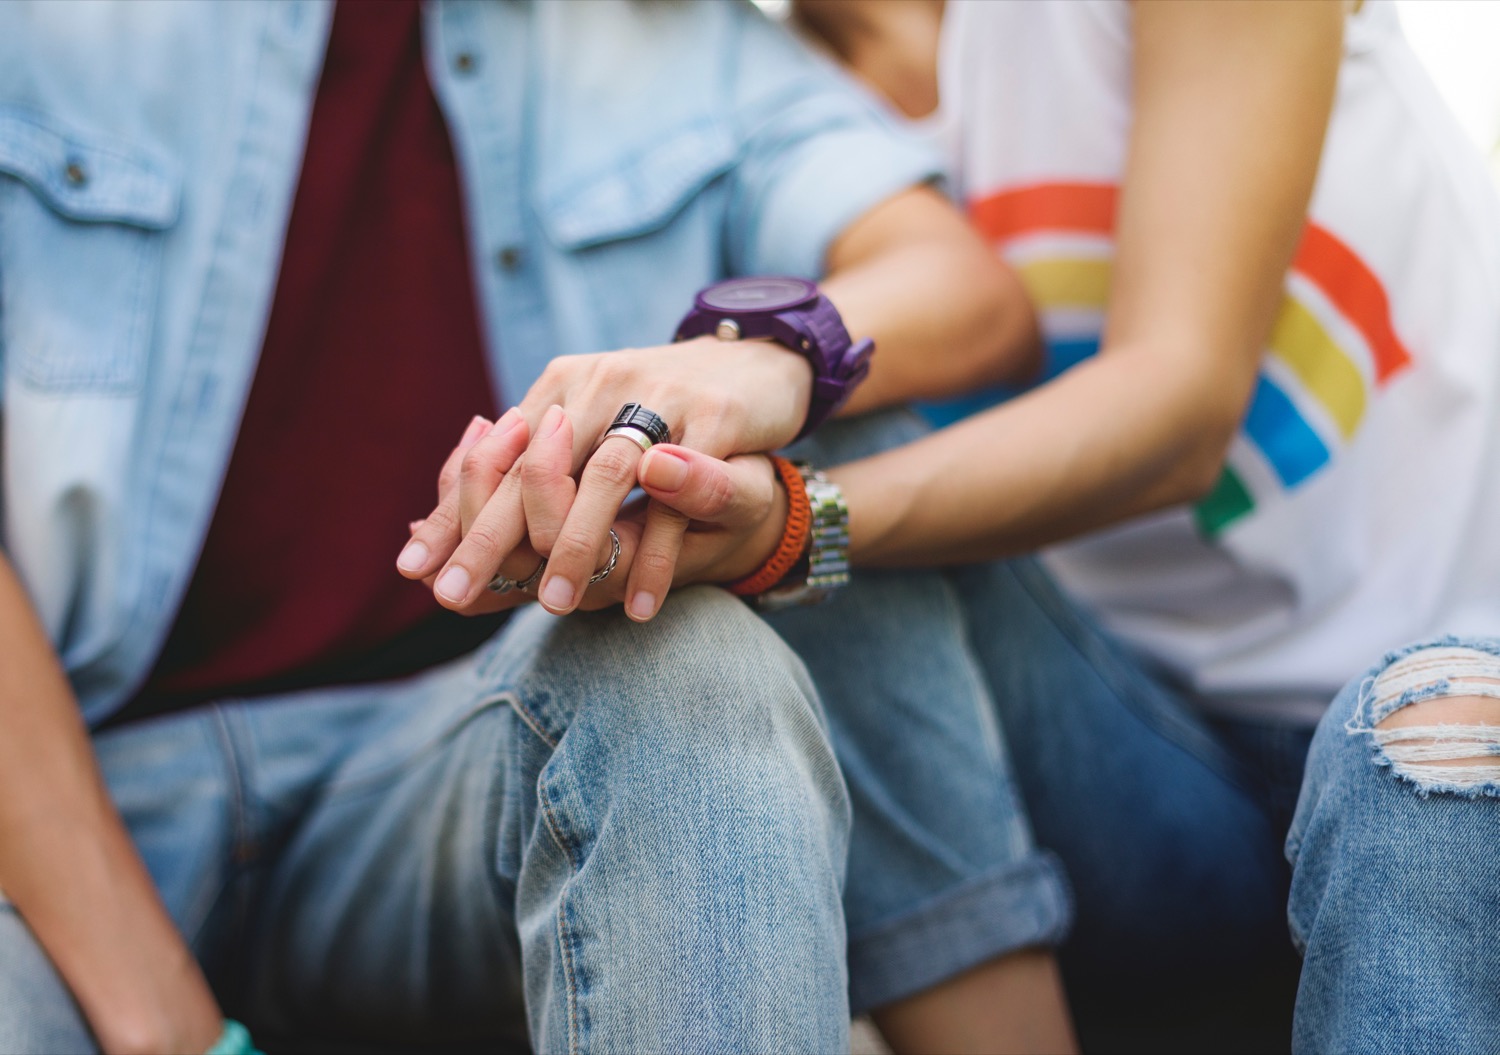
(1395, 848)
(1176, 831)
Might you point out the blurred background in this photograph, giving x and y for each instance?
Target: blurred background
(1459, 41)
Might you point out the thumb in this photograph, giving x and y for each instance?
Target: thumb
(734, 492)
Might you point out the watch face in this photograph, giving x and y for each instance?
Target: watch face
(757, 294)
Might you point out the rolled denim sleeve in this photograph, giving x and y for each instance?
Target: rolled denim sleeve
(817, 154)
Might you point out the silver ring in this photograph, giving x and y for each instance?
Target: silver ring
(609, 565)
(634, 435)
(500, 584)
(634, 418)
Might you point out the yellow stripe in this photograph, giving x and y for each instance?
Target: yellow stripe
(1325, 371)
(1298, 339)
(1067, 283)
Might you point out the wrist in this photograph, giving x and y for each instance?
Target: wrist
(802, 319)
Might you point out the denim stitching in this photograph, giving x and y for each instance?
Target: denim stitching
(564, 936)
(434, 743)
(531, 721)
(1100, 656)
(243, 848)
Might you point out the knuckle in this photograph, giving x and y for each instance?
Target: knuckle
(483, 540)
(533, 473)
(656, 564)
(718, 494)
(613, 464)
(441, 521)
(475, 466)
(573, 544)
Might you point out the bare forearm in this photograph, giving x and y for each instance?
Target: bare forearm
(1097, 446)
(947, 316)
(68, 865)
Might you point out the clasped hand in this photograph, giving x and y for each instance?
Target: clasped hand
(540, 483)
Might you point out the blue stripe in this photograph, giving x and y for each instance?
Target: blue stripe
(1059, 356)
(1064, 355)
(1289, 443)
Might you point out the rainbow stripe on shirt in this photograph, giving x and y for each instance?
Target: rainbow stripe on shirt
(1332, 348)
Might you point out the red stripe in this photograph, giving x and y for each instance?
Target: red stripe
(1353, 288)
(1088, 207)
(1322, 258)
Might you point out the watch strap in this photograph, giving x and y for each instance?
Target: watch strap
(825, 566)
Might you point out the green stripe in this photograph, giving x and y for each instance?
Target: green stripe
(1225, 504)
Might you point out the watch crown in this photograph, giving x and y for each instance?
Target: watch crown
(728, 330)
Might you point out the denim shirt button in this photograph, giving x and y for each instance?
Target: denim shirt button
(75, 174)
(509, 258)
(465, 62)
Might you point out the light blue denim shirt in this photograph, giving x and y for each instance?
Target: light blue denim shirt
(614, 158)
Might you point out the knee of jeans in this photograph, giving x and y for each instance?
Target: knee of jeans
(1433, 715)
(704, 667)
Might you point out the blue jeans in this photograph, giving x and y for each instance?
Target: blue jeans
(626, 837)
(943, 871)
(1176, 832)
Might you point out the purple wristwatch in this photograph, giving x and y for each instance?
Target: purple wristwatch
(793, 312)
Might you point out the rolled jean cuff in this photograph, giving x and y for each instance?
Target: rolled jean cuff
(1022, 905)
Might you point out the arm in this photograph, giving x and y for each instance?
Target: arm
(70, 869)
(945, 313)
(1231, 103)
(1232, 100)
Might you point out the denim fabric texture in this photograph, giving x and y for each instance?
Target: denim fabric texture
(943, 871)
(394, 868)
(1395, 890)
(614, 158)
(1173, 830)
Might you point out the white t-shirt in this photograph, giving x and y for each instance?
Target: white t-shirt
(1360, 508)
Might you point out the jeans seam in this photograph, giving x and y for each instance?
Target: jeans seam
(245, 844)
(1099, 654)
(375, 777)
(530, 720)
(564, 933)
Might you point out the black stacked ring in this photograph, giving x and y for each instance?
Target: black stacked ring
(636, 423)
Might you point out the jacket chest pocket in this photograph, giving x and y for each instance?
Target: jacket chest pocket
(81, 242)
(641, 232)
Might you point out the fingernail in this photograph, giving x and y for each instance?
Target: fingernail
(643, 605)
(557, 594)
(551, 422)
(477, 428)
(454, 584)
(413, 557)
(664, 471)
(508, 421)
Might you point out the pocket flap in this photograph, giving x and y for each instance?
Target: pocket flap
(640, 192)
(92, 179)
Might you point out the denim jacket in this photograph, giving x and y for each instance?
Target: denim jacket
(614, 158)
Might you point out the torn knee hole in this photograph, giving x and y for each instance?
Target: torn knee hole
(1437, 717)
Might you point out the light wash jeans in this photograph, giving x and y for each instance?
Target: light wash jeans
(640, 830)
(943, 871)
(1173, 829)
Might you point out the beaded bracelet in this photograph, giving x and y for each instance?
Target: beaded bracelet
(794, 538)
(235, 1040)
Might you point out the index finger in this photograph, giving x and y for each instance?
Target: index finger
(437, 536)
(607, 479)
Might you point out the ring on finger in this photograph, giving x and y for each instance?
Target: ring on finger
(500, 584)
(609, 565)
(643, 427)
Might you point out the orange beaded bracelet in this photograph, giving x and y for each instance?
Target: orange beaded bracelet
(794, 538)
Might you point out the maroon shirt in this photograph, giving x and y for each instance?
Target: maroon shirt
(372, 366)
